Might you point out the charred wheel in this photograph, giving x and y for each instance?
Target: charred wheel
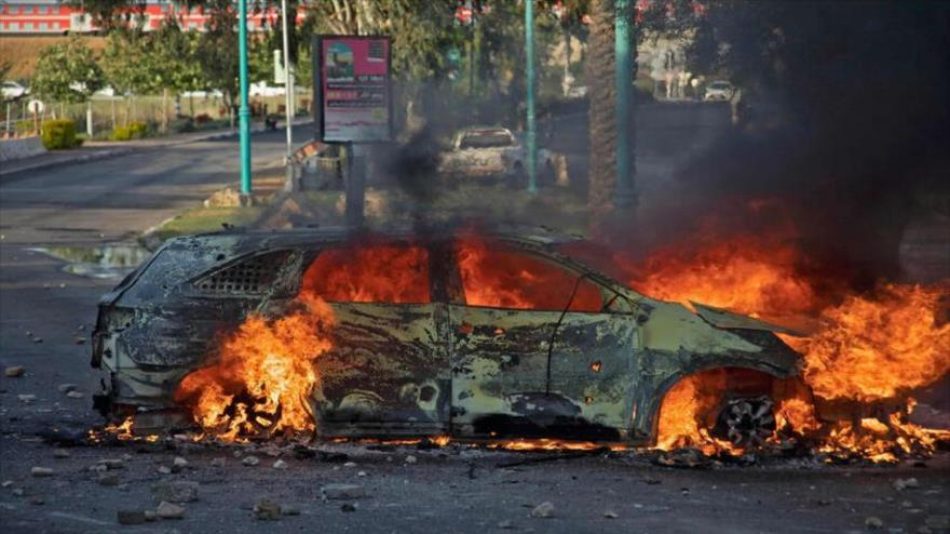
(747, 421)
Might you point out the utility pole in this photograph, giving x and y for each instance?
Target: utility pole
(288, 102)
(625, 194)
(531, 139)
(244, 113)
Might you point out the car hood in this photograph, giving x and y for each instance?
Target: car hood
(721, 318)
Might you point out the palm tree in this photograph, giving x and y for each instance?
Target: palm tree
(601, 93)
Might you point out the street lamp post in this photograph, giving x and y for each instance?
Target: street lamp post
(288, 100)
(625, 194)
(531, 139)
(244, 113)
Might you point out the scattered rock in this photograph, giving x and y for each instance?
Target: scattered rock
(66, 388)
(75, 394)
(179, 462)
(165, 470)
(112, 463)
(218, 462)
(108, 479)
(14, 371)
(348, 507)
(177, 491)
(873, 523)
(41, 472)
(37, 340)
(60, 453)
(98, 468)
(610, 514)
(361, 474)
(280, 464)
(26, 398)
(251, 460)
(684, 457)
(131, 517)
(906, 483)
(267, 510)
(6, 483)
(343, 491)
(289, 510)
(349, 464)
(411, 459)
(543, 510)
(167, 510)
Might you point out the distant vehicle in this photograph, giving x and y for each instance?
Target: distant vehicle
(491, 152)
(719, 90)
(13, 90)
(262, 89)
(214, 93)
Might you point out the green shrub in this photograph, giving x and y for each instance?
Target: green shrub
(59, 134)
(134, 130)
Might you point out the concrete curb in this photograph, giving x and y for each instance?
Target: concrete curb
(111, 153)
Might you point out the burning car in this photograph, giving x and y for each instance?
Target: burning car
(492, 152)
(473, 336)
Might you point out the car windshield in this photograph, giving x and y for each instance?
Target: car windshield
(486, 139)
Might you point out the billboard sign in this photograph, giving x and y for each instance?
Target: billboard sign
(352, 96)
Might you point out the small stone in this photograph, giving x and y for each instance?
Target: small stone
(289, 510)
(98, 468)
(167, 510)
(80, 340)
(906, 483)
(26, 398)
(6, 483)
(37, 340)
(66, 388)
(251, 460)
(873, 523)
(41, 472)
(217, 462)
(267, 510)
(177, 491)
(341, 492)
(348, 507)
(349, 464)
(411, 459)
(60, 453)
(108, 479)
(75, 394)
(543, 510)
(179, 462)
(165, 470)
(280, 464)
(361, 474)
(112, 463)
(131, 517)
(14, 371)
(610, 514)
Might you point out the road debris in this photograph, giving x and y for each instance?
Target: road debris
(906, 483)
(251, 460)
(167, 510)
(26, 398)
(14, 371)
(76, 395)
(267, 510)
(66, 388)
(543, 510)
(873, 523)
(41, 472)
(61, 453)
(280, 464)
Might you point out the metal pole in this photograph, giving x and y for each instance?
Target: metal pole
(244, 113)
(531, 140)
(624, 195)
(288, 102)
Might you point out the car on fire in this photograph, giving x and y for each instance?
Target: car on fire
(492, 152)
(473, 335)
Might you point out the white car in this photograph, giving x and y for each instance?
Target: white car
(719, 90)
(491, 152)
(13, 90)
(262, 89)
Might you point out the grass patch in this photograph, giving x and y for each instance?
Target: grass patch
(200, 220)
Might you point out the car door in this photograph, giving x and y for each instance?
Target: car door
(387, 373)
(538, 349)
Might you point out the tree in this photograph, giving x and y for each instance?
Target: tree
(217, 52)
(67, 72)
(602, 94)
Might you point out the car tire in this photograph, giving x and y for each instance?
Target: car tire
(746, 422)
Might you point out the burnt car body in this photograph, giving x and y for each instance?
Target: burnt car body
(587, 358)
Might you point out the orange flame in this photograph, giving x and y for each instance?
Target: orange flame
(372, 272)
(264, 374)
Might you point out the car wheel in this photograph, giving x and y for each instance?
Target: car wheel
(747, 422)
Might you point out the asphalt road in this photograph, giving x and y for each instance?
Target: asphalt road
(44, 311)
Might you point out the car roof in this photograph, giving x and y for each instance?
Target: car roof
(485, 130)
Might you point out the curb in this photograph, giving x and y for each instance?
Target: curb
(111, 153)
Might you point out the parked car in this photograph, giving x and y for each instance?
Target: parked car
(13, 90)
(492, 152)
(719, 90)
(494, 335)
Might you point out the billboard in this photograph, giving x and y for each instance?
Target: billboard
(352, 97)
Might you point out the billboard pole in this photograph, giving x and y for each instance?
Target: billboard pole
(288, 100)
(244, 113)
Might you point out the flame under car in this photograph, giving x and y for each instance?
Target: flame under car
(487, 336)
